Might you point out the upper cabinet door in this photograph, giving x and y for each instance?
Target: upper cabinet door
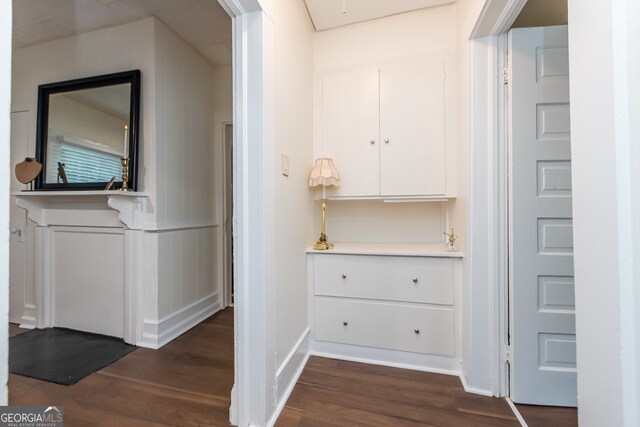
(412, 127)
(350, 120)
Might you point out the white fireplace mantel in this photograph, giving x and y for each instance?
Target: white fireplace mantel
(84, 207)
(88, 260)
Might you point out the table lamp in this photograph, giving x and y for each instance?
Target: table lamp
(324, 173)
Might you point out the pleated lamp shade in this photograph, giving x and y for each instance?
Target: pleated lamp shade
(324, 173)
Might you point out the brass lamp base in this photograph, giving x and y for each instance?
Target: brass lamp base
(322, 244)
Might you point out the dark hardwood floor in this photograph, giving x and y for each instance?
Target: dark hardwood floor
(340, 393)
(185, 383)
(548, 416)
(188, 383)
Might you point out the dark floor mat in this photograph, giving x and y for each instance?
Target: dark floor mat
(63, 356)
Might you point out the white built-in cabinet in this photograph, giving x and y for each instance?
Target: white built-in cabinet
(386, 306)
(384, 125)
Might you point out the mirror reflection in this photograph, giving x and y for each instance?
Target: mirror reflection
(87, 134)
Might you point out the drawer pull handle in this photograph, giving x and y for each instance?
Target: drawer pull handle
(415, 280)
(373, 141)
(417, 331)
(345, 323)
(344, 276)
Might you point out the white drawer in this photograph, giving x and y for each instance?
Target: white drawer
(409, 279)
(392, 326)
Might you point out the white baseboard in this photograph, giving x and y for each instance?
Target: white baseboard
(386, 363)
(28, 322)
(158, 333)
(288, 374)
(474, 390)
(28, 319)
(425, 367)
(385, 357)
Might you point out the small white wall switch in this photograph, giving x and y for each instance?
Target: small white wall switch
(285, 164)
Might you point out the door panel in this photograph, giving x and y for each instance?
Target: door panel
(412, 122)
(541, 227)
(350, 129)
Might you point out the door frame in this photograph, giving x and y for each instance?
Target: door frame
(252, 69)
(252, 137)
(488, 203)
(5, 191)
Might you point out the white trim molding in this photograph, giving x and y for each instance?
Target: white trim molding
(155, 334)
(5, 184)
(496, 17)
(253, 391)
(484, 367)
(468, 389)
(289, 372)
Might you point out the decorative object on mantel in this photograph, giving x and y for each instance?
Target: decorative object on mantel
(125, 174)
(325, 174)
(450, 244)
(62, 175)
(27, 170)
(109, 185)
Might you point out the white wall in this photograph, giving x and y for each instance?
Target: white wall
(427, 31)
(604, 40)
(467, 12)
(377, 221)
(184, 131)
(294, 208)
(110, 50)
(477, 162)
(185, 204)
(5, 101)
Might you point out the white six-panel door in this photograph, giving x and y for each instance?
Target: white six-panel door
(542, 314)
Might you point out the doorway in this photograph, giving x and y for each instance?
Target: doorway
(228, 212)
(199, 234)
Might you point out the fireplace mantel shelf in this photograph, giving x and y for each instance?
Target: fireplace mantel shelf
(39, 205)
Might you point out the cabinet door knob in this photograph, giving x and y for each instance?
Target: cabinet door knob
(345, 323)
(417, 331)
(415, 280)
(373, 141)
(344, 276)
(386, 140)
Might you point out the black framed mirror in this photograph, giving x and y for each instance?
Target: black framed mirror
(85, 127)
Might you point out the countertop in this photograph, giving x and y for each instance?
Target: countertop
(393, 249)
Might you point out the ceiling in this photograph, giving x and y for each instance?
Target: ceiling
(113, 100)
(327, 14)
(540, 13)
(204, 24)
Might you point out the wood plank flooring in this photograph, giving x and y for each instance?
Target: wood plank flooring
(187, 383)
(340, 393)
(548, 416)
